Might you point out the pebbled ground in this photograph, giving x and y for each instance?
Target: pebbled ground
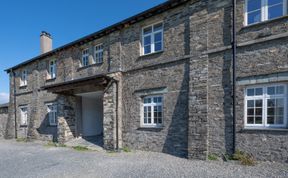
(35, 160)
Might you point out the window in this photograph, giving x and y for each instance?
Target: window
(98, 54)
(266, 106)
(262, 10)
(153, 111)
(152, 40)
(24, 115)
(52, 113)
(52, 69)
(23, 80)
(85, 57)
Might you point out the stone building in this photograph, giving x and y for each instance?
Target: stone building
(3, 119)
(162, 81)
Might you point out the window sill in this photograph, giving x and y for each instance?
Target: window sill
(154, 129)
(91, 65)
(23, 86)
(280, 129)
(50, 79)
(264, 22)
(23, 126)
(151, 54)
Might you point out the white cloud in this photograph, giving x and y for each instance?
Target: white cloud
(4, 98)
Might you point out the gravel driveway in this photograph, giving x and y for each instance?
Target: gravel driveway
(35, 160)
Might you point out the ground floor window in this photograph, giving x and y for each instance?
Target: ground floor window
(152, 111)
(52, 113)
(265, 106)
(24, 115)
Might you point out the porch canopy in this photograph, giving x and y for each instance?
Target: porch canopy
(82, 85)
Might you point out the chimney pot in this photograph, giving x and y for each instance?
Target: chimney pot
(45, 42)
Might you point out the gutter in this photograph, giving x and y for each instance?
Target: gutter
(234, 50)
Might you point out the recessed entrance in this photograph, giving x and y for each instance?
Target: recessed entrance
(91, 116)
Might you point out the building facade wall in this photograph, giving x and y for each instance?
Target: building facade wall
(193, 73)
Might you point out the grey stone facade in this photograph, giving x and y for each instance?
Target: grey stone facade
(3, 119)
(192, 73)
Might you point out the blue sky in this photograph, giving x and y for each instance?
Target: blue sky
(67, 20)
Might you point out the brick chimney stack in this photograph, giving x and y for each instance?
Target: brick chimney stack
(45, 42)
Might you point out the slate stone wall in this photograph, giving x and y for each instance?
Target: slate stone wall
(3, 120)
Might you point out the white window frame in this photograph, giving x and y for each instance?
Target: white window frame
(152, 34)
(264, 11)
(23, 115)
(85, 55)
(264, 97)
(23, 78)
(152, 124)
(52, 69)
(98, 54)
(52, 113)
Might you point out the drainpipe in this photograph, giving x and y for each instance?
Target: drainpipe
(15, 109)
(234, 46)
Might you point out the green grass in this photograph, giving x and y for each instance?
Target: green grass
(53, 144)
(212, 157)
(244, 158)
(126, 149)
(21, 139)
(80, 148)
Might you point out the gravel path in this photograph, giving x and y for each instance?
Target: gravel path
(35, 160)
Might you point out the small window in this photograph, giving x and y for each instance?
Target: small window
(152, 111)
(52, 113)
(52, 69)
(23, 80)
(152, 40)
(85, 57)
(24, 115)
(98, 54)
(266, 106)
(262, 10)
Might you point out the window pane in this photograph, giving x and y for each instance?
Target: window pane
(271, 90)
(158, 37)
(271, 111)
(254, 5)
(273, 2)
(280, 102)
(258, 111)
(147, 30)
(275, 11)
(250, 103)
(258, 91)
(158, 27)
(254, 17)
(258, 120)
(270, 120)
(147, 40)
(271, 102)
(258, 103)
(250, 120)
(280, 111)
(250, 92)
(250, 112)
(158, 46)
(280, 120)
(147, 49)
(280, 90)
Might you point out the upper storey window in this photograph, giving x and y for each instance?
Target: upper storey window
(152, 39)
(23, 80)
(52, 69)
(85, 57)
(98, 54)
(262, 10)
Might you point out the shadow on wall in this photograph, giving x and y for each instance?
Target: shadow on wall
(228, 102)
(46, 129)
(176, 142)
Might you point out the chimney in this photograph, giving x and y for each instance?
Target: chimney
(45, 42)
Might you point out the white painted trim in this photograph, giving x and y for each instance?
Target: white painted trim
(152, 124)
(152, 45)
(54, 109)
(264, 97)
(23, 78)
